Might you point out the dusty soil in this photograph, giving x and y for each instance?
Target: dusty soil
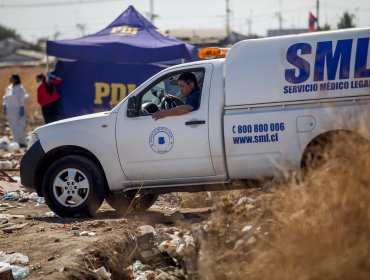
(57, 251)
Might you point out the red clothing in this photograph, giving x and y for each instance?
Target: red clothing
(44, 97)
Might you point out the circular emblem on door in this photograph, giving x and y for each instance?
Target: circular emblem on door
(161, 140)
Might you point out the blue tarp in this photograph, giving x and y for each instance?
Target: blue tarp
(115, 59)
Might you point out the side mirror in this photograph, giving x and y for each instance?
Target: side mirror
(132, 107)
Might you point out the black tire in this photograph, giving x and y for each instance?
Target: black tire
(341, 146)
(78, 196)
(119, 202)
(124, 203)
(144, 201)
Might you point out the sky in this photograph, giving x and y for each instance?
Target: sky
(68, 19)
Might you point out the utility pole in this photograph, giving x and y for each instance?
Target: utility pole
(227, 17)
(279, 15)
(248, 21)
(152, 15)
(56, 35)
(81, 27)
(317, 15)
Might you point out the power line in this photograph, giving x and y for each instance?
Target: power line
(67, 3)
(227, 17)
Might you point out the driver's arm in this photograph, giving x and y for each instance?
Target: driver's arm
(177, 111)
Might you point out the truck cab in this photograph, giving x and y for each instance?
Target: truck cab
(125, 150)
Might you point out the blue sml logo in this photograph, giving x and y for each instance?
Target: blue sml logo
(329, 60)
(161, 140)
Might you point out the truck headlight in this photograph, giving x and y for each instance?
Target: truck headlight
(34, 137)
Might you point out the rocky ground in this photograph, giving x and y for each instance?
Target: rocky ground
(75, 249)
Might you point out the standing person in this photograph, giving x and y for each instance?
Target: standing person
(14, 101)
(48, 96)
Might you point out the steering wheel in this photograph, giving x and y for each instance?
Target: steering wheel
(169, 103)
(148, 109)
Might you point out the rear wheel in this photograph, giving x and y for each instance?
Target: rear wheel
(73, 186)
(123, 203)
(119, 202)
(336, 147)
(144, 201)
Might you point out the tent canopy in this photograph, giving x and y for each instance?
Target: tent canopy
(131, 38)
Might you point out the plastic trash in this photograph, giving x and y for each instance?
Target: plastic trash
(146, 229)
(16, 178)
(103, 273)
(138, 266)
(12, 196)
(17, 271)
(8, 216)
(12, 147)
(14, 258)
(87, 233)
(141, 276)
(168, 246)
(33, 196)
(51, 215)
(4, 142)
(247, 228)
(41, 200)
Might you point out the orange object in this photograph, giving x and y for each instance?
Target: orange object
(213, 52)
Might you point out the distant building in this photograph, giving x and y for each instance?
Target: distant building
(208, 37)
(17, 52)
(281, 32)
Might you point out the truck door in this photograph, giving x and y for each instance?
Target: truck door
(172, 149)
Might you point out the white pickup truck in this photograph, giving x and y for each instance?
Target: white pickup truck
(262, 107)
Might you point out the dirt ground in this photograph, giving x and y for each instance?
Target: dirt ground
(56, 249)
(316, 228)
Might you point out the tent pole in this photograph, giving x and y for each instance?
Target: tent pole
(47, 63)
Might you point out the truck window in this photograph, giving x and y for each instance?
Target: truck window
(152, 99)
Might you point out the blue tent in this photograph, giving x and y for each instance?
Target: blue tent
(101, 69)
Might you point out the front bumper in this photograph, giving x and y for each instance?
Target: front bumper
(29, 164)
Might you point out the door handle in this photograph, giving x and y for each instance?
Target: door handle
(195, 122)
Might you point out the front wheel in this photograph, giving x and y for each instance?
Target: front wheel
(73, 186)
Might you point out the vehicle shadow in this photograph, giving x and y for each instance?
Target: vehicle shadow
(191, 215)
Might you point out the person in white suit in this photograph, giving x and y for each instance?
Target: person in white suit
(14, 101)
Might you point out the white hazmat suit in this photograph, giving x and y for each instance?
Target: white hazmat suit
(14, 98)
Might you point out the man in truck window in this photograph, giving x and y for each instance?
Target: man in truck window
(188, 86)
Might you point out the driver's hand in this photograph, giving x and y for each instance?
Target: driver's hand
(159, 115)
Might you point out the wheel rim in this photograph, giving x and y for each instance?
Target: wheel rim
(71, 187)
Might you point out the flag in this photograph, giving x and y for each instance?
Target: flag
(311, 22)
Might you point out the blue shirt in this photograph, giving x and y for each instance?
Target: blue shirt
(193, 99)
